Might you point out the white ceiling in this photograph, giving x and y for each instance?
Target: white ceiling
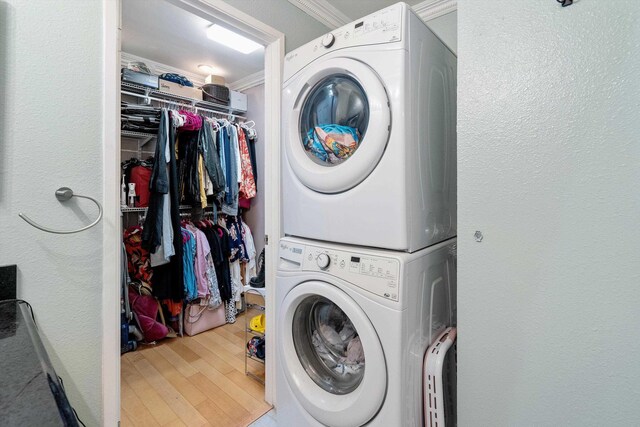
(164, 33)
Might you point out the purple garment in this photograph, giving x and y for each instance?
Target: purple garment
(192, 121)
(202, 251)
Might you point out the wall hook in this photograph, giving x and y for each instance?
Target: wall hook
(63, 194)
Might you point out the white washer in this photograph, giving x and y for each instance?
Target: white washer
(397, 303)
(392, 82)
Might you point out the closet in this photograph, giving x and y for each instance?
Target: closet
(192, 202)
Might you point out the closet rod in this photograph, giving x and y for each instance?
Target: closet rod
(142, 96)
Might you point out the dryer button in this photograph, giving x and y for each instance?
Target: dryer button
(327, 41)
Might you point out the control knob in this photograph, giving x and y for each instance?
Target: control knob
(327, 40)
(323, 261)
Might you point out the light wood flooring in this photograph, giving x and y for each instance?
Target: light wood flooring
(192, 381)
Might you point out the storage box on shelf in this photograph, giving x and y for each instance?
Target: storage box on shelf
(178, 89)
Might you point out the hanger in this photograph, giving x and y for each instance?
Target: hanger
(225, 122)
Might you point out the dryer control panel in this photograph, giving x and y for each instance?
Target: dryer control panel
(378, 275)
(383, 26)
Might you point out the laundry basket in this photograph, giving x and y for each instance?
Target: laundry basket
(439, 382)
(216, 93)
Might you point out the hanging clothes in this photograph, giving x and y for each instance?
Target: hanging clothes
(247, 183)
(231, 156)
(169, 282)
(238, 251)
(202, 250)
(158, 187)
(188, 259)
(219, 242)
(252, 138)
(188, 161)
(250, 247)
(139, 263)
(207, 147)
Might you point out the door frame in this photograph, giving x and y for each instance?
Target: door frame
(273, 41)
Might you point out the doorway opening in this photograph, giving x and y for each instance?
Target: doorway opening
(213, 109)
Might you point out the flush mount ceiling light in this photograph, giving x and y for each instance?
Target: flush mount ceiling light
(230, 39)
(208, 69)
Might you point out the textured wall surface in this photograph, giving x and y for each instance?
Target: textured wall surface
(549, 171)
(50, 136)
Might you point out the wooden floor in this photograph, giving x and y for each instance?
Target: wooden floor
(192, 381)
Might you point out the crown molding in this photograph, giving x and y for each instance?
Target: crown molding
(432, 9)
(248, 82)
(323, 12)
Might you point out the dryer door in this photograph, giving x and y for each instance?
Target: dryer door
(338, 118)
(331, 355)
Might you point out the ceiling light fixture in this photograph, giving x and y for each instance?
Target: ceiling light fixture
(230, 39)
(208, 69)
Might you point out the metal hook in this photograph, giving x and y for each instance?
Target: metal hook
(63, 194)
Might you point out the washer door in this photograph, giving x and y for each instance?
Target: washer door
(331, 355)
(339, 124)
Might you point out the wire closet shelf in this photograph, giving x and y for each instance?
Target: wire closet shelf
(138, 91)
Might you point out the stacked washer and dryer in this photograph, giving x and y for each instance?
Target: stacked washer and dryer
(367, 273)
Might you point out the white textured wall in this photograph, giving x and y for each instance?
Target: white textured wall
(256, 215)
(549, 171)
(50, 136)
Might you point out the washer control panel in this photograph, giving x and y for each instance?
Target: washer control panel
(379, 275)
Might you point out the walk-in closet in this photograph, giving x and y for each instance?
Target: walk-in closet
(193, 219)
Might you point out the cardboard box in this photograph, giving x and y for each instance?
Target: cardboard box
(237, 101)
(178, 89)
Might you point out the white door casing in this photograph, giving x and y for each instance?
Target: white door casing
(273, 41)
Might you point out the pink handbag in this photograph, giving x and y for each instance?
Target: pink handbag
(199, 317)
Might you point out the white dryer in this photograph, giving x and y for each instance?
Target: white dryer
(353, 326)
(369, 135)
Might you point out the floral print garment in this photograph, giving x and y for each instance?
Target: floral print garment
(247, 184)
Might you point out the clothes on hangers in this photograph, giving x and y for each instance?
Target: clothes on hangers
(250, 247)
(188, 258)
(169, 283)
(139, 263)
(139, 118)
(247, 183)
(207, 147)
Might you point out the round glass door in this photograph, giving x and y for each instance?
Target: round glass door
(328, 345)
(334, 120)
(337, 119)
(330, 355)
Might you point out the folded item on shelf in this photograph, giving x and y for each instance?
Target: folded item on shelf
(176, 78)
(138, 66)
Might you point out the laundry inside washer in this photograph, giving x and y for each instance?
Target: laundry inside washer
(324, 336)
